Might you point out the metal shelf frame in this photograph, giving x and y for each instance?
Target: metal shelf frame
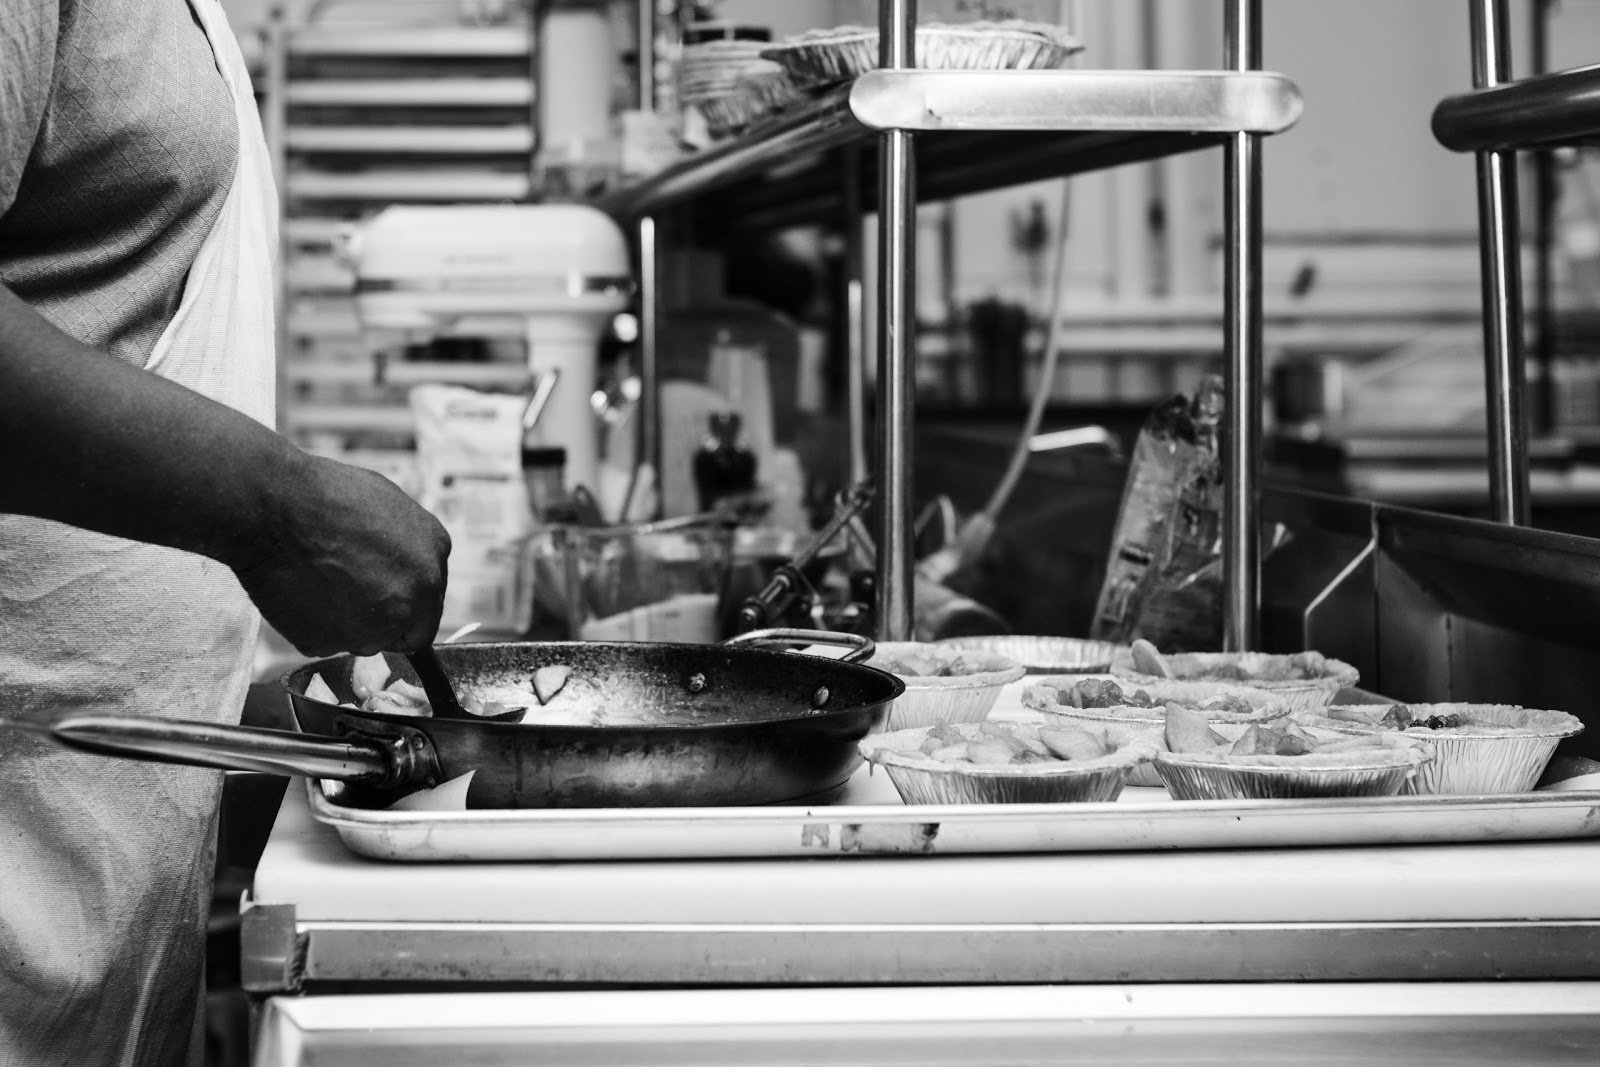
(947, 133)
(284, 956)
(991, 127)
(1547, 110)
(448, 42)
(412, 92)
(1496, 119)
(411, 140)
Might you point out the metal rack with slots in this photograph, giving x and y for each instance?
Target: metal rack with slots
(358, 117)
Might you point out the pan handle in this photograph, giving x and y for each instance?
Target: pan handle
(404, 759)
(863, 646)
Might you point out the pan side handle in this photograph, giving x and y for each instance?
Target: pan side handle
(370, 761)
(862, 647)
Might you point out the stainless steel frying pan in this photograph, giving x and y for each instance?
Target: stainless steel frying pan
(643, 725)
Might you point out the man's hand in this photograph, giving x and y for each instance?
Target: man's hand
(346, 563)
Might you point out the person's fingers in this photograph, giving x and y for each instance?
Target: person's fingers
(318, 648)
(418, 635)
(369, 647)
(422, 627)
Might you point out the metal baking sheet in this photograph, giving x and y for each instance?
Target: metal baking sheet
(869, 819)
(866, 823)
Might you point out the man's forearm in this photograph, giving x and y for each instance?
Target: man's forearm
(94, 442)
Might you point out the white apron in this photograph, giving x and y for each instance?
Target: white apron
(106, 865)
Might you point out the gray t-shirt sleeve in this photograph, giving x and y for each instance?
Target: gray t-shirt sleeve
(28, 30)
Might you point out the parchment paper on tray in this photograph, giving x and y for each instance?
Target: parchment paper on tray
(446, 796)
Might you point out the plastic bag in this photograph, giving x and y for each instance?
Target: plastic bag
(1163, 578)
(469, 465)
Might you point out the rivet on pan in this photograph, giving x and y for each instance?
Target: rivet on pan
(697, 682)
(820, 697)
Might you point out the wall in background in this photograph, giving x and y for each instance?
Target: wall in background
(1361, 163)
(1363, 158)
(784, 17)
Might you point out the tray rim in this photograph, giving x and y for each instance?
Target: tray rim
(326, 810)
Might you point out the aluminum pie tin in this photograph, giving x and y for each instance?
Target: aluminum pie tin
(962, 698)
(826, 57)
(1306, 694)
(1377, 773)
(1503, 749)
(1152, 722)
(730, 84)
(728, 114)
(1045, 655)
(920, 779)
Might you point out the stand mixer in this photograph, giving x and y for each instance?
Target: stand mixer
(552, 274)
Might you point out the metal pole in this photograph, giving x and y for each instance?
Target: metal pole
(1241, 441)
(649, 443)
(536, 128)
(646, 44)
(1544, 171)
(1499, 248)
(897, 243)
(647, 449)
(276, 118)
(855, 319)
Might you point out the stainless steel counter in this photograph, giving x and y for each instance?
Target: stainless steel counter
(320, 918)
(1374, 1024)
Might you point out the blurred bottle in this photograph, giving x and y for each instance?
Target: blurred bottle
(543, 472)
(578, 153)
(785, 482)
(723, 466)
(544, 475)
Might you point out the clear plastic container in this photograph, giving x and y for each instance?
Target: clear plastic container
(634, 583)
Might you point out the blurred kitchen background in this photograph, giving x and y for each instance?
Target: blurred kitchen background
(1372, 293)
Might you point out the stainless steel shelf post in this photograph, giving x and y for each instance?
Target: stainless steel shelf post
(1241, 441)
(897, 338)
(855, 338)
(648, 446)
(1499, 250)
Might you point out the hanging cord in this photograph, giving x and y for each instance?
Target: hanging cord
(976, 532)
(1047, 369)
